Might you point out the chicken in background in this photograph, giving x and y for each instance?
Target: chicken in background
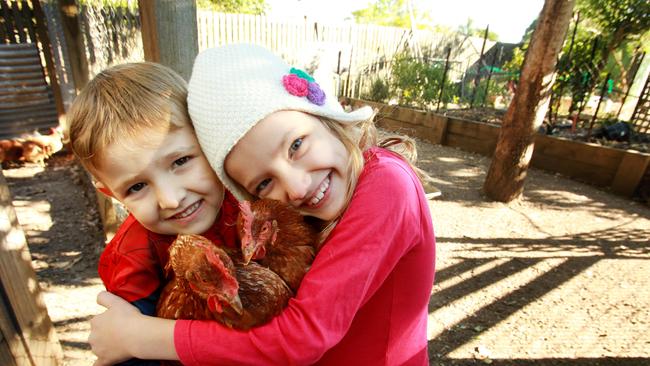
(34, 147)
(277, 236)
(50, 143)
(209, 285)
(10, 151)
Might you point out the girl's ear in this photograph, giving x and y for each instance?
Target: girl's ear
(102, 188)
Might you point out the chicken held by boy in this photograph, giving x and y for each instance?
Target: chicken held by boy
(209, 285)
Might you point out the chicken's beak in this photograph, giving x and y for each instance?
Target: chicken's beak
(236, 304)
(248, 249)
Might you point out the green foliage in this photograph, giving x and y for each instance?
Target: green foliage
(391, 13)
(379, 91)
(256, 7)
(471, 30)
(617, 20)
(417, 82)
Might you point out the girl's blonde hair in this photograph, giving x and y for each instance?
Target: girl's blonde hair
(123, 102)
(364, 135)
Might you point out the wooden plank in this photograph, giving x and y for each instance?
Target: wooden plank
(582, 171)
(12, 347)
(438, 129)
(472, 129)
(21, 287)
(630, 172)
(601, 156)
(467, 143)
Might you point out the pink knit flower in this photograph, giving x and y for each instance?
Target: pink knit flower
(295, 85)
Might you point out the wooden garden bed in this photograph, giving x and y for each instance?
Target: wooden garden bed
(621, 170)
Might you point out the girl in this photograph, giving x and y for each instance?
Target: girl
(269, 131)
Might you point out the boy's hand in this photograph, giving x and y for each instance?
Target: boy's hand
(110, 331)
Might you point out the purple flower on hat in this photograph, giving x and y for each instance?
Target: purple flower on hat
(316, 94)
(295, 85)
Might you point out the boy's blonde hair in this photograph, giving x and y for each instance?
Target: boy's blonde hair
(123, 102)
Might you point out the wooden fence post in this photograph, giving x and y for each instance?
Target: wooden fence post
(27, 336)
(170, 33)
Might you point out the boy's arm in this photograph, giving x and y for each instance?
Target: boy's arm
(122, 332)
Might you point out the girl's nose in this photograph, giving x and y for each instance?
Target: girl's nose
(297, 187)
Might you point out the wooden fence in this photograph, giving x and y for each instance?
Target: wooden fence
(622, 171)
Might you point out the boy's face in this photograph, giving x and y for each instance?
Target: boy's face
(164, 180)
(292, 157)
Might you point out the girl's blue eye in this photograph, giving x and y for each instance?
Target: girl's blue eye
(260, 187)
(182, 161)
(295, 145)
(135, 188)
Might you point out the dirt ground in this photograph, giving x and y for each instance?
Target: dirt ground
(560, 277)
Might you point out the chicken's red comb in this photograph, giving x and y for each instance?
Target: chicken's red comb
(228, 279)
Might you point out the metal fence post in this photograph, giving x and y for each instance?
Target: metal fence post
(444, 79)
(478, 71)
(602, 95)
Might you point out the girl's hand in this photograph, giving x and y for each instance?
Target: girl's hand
(110, 331)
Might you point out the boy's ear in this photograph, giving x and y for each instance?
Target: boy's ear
(102, 188)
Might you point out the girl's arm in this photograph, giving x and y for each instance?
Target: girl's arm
(122, 332)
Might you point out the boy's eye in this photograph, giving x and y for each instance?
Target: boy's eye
(260, 187)
(295, 145)
(182, 161)
(135, 188)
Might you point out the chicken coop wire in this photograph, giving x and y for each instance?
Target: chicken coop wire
(111, 32)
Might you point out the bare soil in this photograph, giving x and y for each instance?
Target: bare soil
(559, 277)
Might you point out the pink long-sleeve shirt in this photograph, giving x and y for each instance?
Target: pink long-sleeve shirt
(363, 302)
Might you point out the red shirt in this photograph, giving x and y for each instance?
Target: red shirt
(132, 264)
(363, 302)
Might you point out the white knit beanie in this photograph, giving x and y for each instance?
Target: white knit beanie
(235, 86)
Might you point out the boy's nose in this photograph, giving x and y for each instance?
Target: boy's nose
(168, 197)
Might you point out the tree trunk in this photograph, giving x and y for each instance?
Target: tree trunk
(507, 173)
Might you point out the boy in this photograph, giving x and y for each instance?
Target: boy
(130, 129)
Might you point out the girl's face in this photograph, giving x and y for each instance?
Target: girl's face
(164, 180)
(292, 157)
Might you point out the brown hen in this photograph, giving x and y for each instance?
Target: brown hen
(208, 285)
(277, 236)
